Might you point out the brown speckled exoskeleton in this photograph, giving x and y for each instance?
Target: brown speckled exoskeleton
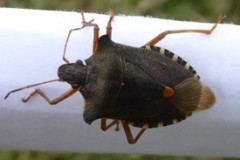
(145, 87)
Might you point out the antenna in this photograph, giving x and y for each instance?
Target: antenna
(32, 85)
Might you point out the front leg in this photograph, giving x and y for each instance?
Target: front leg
(55, 100)
(105, 126)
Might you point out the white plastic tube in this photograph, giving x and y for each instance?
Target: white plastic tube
(31, 47)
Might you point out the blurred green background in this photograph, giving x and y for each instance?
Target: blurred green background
(198, 10)
(195, 10)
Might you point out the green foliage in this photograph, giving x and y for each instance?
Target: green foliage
(197, 10)
(74, 156)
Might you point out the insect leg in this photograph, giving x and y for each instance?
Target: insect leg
(68, 36)
(95, 32)
(55, 100)
(164, 34)
(109, 26)
(105, 126)
(129, 135)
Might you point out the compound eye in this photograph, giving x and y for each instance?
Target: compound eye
(80, 62)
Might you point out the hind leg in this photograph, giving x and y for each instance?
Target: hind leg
(162, 35)
(128, 132)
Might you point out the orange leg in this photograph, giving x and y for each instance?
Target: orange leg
(164, 34)
(95, 39)
(105, 126)
(68, 36)
(96, 29)
(95, 32)
(126, 127)
(109, 26)
(55, 100)
(129, 135)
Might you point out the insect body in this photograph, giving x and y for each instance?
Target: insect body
(144, 87)
(131, 84)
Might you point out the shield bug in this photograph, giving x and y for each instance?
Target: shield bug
(145, 87)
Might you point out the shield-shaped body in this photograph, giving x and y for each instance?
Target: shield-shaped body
(127, 83)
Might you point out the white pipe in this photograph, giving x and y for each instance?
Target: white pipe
(31, 46)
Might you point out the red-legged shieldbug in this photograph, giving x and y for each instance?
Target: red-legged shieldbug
(145, 87)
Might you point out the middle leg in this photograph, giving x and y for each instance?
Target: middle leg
(105, 126)
(109, 26)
